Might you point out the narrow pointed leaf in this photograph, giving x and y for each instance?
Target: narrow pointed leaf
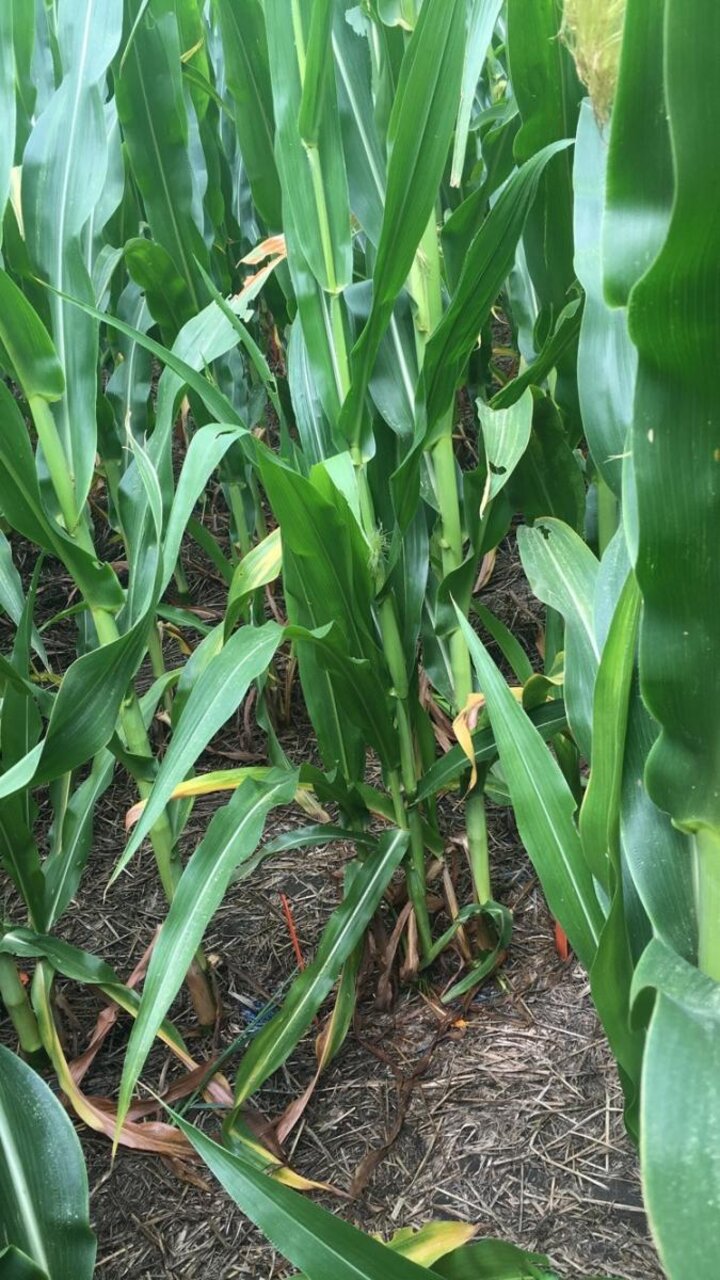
(215, 696)
(63, 174)
(543, 806)
(419, 133)
(308, 1236)
(154, 118)
(231, 839)
(248, 76)
(487, 265)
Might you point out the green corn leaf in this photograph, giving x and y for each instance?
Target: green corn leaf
(64, 867)
(675, 325)
(544, 808)
(482, 17)
(22, 506)
(547, 480)
(487, 264)
(612, 972)
(312, 170)
(510, 647)
(335, 1030)
(494, 1260)
(231, 840)
(327, 580)
(310, 1237)
(63, 174)
(549, 719)
(261, 565)
(212, 324)
(154, 117)
(71, 961)
(43, 1183)
(84, 712)
(12, 599)
(24, 20)
(215, 696)
(81, 966)
(364, 153)
(658, 857)
(20, 859)
(247, 69)
(419, 134)
(427, 1244)
(639, 171)
(607, 359)
(128, 388)
(600, 813)
(19, 732)
(318, 67)
(562, 338)
(506, 435)
(17, 1266)
(563, 574)
(548, 95)
(312, 422)
(8, 105)
(323, 329)
(679, 1124)
(207, 448)
(34, 359)
(211, 547)
(166, 293)
(72, 842)
(342, 934)
(316, 835)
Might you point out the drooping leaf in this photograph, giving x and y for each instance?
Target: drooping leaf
(215, 696)
(230, 840)
(310, 1237)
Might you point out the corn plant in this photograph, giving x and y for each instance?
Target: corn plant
(638, 895)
